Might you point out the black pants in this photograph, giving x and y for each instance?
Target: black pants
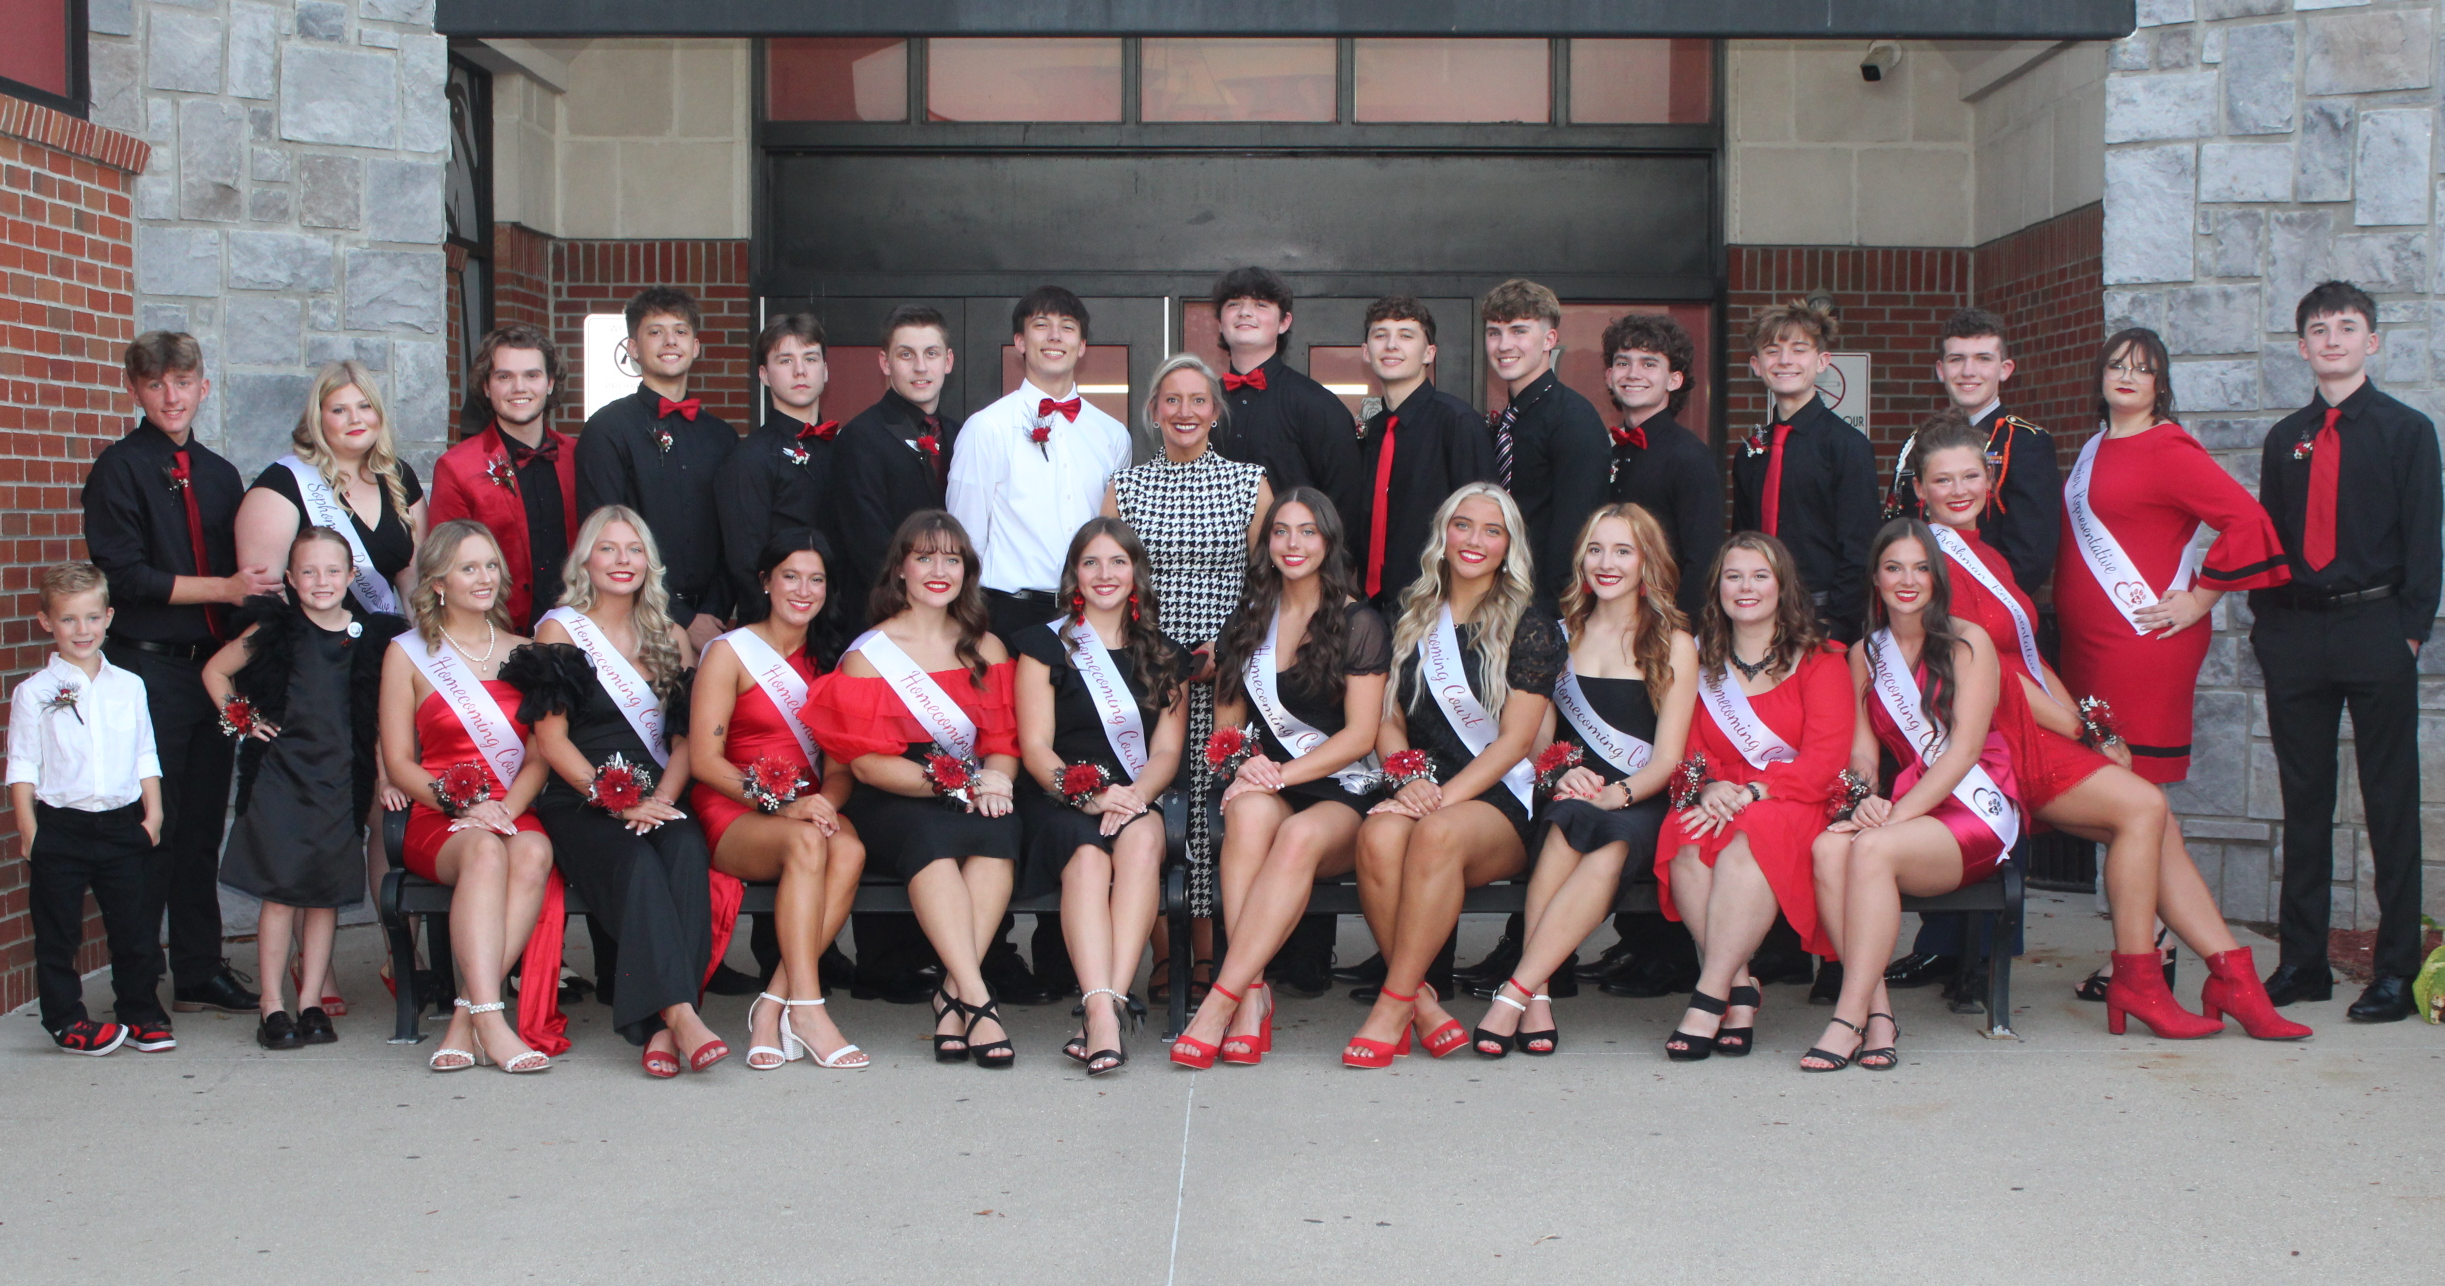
(184, 874)
(649, 894)
(1011, 613)
(2316, 664)
(107, 853)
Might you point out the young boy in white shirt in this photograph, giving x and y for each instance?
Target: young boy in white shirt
(85, 781)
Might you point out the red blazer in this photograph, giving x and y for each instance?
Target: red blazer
(465, 486)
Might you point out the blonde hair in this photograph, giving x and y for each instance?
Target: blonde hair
(1658, 615)
(433, 560)
(66, 580)
(651, 615)
(1498, 614)
(381, 460)
(1172, 365)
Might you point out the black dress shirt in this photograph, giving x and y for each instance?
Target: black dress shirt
(136, 531)
(879, 478)
(547, 528)
(1828, 514)
(2024, 513)
(1561, 459)
(620, 461)
(780, 477)
(1439, 446)
(1676, 478)
(1301, 433)
(2387, 503)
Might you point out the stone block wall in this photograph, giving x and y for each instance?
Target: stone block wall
(2255, 148)
(297, 215)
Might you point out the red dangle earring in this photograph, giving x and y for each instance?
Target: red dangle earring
(1078, 606)
(1133, 606)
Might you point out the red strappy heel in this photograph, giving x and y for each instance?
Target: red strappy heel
(1194, 1054)
(1377, 1054)
(661, 1064)
(1445, 1040)
(1248, 1051)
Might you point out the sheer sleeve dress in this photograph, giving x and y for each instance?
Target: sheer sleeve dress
(1535, 662)
(1054, 829)
(1366, 649)
(1629, 706)
(904, 834)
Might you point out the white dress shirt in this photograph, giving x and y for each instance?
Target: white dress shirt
(91, 757)
(1022, 502)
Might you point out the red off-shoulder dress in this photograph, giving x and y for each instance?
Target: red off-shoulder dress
(441, 740)
(757, 729)
(853, 716)
(1812, 711)
(2045, 763)
(2154, 490)
(1981, 847)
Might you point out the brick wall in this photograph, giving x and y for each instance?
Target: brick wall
(65, 318)
(2044, 281)
(599, 276)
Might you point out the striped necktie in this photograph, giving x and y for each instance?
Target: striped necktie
(1503, 444)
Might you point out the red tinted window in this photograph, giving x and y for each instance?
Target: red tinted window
(1023, 78)
(1422, 80)
(36, 53)
(1642, 82)
(1200, 79)
(846, 79)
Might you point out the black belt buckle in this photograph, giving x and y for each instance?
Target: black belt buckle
(178, 651)
(2304, 601)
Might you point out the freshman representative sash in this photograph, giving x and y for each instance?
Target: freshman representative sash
(323, 506)
(1123, 721)
(924, 698)
(629, 690)
(495, 737)
(1757, 743)
(1439, 666)
(1295, 734)
(1617, 747)
(782, 684)
(1967, 560)
(2113, 569)
(1976, 790)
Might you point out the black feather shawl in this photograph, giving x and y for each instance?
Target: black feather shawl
(264, 680)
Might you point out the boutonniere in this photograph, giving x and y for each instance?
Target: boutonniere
(662, 439)
(500, 473)
(932, 449)
(1754, 444)
(64, 699)
(795, 454)
(177, 477)
(2302, 448)
(1042, 435)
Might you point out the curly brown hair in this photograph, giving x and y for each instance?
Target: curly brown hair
(1317, 670)
(1796, 632)
(935, 531)
(1151, 656)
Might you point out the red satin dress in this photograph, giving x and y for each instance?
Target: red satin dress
(1981, 848)
(2044, 762)
(1812, 711)
(2153, 490)
(757, 729)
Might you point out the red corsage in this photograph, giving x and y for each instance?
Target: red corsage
(238, 716)
(1406, 766)
(619, 785)
(770, 783)
(1688, 780)
(1082, 782)
(1555, 760)
(501, 473)
(951, 775)
(1855, 790)
(1228, 748)
(1041, 435)
(2097, 724)
(462, 786)
(931, 447)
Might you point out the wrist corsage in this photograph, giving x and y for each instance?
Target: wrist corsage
(1855, 789)
(462, 786)
(1406, 766)
(2097, 726)
(1554, 761)
(1688, 780)
(1228, 748)
(237, 716)
(952, 776)
(770, 784)
(619, 785)
(1082, 782)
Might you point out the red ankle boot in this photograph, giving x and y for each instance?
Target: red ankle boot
(2233, 988)
(2138, 989)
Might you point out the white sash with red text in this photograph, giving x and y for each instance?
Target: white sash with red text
(2113, 569)
(629, 690)
(925, 699)
(1757, 743)
(1296, 735)
(495, 737)
(1440, 663)
(1615, 746)
(782, 684)
(323, 506)
(1123, 720)
(1967, 560)
(1976, 790)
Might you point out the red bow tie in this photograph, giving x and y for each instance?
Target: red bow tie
(1255, 379)
(1630, 435)
(827, 430)
(687, 409)
(1046, 409)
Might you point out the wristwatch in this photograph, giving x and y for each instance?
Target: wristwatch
(1757, 793)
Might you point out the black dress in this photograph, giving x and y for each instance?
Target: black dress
(1366, 649)
(296, 841)
(650, 891)
(1054, 829)
(1627, 705)
(1536, 661)
(388, 542)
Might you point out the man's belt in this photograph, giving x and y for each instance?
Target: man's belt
(2302, 600)
(182, 651)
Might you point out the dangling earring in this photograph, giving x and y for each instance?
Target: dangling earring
(1078, 606)
(438, 600)
(1133, 606)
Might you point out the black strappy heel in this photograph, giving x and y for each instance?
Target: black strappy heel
(1839, 1061)
(1883, 1058)
(948, 1048)
(999, 1054)
(1102, 1061)
(1736, 1042)
(1694, 1047)
(1550, 1036)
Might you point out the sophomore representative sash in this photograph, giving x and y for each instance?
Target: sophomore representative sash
(1967, 560)
(2113, 569)
(1757, 743)
(1613, 745)
(1976, 790)
(1124, 722)
(782, 684)
(925, 699)
(1296, 735)
(495, 737)
(1440, 663)
(323, 506)
(629, 690)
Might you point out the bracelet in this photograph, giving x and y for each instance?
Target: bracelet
(1757, 793)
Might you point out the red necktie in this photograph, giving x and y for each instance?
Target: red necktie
(2325, 470)
(1630, 435)
(1233, 382)
(827, 430)
(195, 535)
(1770, 505)
(1375, 520)
(687, 409)
(1068, 410)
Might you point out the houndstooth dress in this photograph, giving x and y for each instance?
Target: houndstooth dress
(1194, 519)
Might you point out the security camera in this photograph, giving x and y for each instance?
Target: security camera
(1882, 57)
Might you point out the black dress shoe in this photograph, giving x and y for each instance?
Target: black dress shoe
(1649, 977)
(730, 982)
(1920, 969)
(224, 992)
(1828, 985)
(314, 1026)
(1368, 971)
(1011, 980)
(1497, 964)
(278, 1031)
(1306, 979)
(2388, 1000)
(1801, 968)
(1968, 993)
(1565, 982)
(1602, 967)
(907, 987)
(2300, 982)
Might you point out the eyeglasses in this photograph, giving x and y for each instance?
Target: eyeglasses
(2130, 368)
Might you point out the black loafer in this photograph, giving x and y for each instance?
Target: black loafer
(314, 1026)
(907, 987)
(1304, 980)
(224, 993)
(279, 1031)
(2388, 1000)
(2292, 982)
(1921, 969)
(1368, 971)
(1602, 967)
(1827, 988)
(1496, 966)
(727, 981)
(1649, 978)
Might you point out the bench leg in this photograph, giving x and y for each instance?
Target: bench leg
(1999, 963)
(402, 943)
(445, 963)
(1184, 952)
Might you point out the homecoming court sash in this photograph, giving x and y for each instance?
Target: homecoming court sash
(2113, 569)
(1757, 743)
(323, 507)
(1976, 791)
(1440, 667)
(925, 699)
(629, 690)
(495, 737)
(782, 684)
(1614, 746)
(1295, 734)
(1968, 561)
(1123, 720)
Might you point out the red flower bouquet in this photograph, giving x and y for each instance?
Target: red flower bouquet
(1555, 760)
(950, 775)
(238, 717)
(1688, 780)
(1406, 766)
(1081, 782)
(619, 785)
(1855, 791)
(1228, 748)
(770, 783)
(462, 786)
(2097, 725)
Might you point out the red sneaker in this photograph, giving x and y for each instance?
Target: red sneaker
(85, 1036)
(151, 1035)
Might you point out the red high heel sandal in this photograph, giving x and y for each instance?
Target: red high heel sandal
(1248, 1051)
(1197, 1055)
(661, 1064)
(2138, 989)
(2233, 987)
(1376, 1054)
(1446, 1040)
